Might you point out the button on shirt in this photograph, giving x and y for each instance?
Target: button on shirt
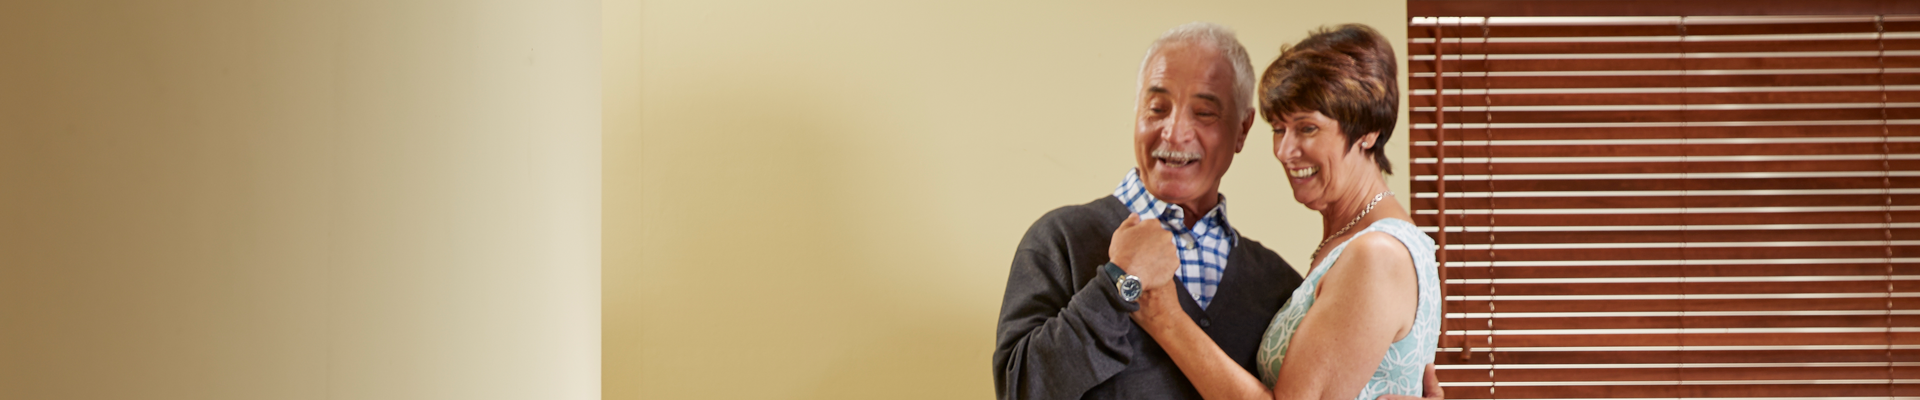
(1203, 249)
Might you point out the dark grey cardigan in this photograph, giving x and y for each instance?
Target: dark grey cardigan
(1065, 334)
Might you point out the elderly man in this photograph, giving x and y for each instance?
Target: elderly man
(1065, 329)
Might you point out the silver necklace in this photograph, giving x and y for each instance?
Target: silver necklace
(1356, 220)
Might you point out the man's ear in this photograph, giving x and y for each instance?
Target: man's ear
(1240, 141)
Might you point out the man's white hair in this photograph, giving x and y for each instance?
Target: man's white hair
(1220, 38)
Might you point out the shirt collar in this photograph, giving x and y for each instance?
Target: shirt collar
(1133, 193)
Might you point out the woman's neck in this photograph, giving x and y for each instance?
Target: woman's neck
(1351, 204)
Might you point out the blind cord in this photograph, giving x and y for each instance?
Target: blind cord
(1493, 287)
(1886, 187)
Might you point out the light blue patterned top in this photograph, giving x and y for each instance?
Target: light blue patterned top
(1407, 359)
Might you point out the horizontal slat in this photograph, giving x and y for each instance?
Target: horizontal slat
(1724, 253)
(1669, 202)
(1677, 331)
(1687, 211)
(1678, 73)
(1873, 270)
(1451, 126)
(1470, 109)
(1814, 279)
(1657, 44)
(1516, 341)
(1474, 65)
(1637, 357)
(1571, 306)
(1675, 288)
(1465, 141)
(1419, 57)
(1763, 158)
(1676, 262)
(1425, 27)
(1674, 175)
(1803, 116)
(1663, 132)
(1547, 320)
(1475, 49)
(1459, 168)
(1869, 192)
(1677, 33)
(1723, 236)
(1671, 150)
(1458, 98)
(1668, 81)
(1429, 230)
(1666, 219)
(1823, 391)
(1650, 116)
(1639, 28)
(1893, 246)
(1680, 296)
(1454, 93)
(1660, 374)
(1668, 184)
(1660, 322)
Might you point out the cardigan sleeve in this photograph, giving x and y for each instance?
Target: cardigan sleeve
(1060, 333)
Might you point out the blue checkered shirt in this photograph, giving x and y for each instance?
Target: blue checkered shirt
(1203, 250)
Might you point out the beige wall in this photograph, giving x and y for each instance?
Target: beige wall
(207, 199)
(210, 199)
(819, 200)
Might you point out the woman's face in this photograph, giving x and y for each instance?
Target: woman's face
(1319, 165)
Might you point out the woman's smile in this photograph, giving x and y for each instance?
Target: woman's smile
(1301, 173)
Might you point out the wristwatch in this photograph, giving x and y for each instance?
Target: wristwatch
(1128, 285)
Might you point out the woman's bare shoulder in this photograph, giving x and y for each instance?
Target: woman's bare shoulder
(1377, 247)
(1369, 258)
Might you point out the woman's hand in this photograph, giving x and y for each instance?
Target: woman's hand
(1145, 250)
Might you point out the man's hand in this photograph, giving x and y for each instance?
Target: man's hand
(1145, 250)
(1432, 387)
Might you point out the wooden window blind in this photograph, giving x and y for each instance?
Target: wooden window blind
(1672, 207)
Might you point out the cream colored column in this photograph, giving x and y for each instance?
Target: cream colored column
(205, 199)
(820, 199)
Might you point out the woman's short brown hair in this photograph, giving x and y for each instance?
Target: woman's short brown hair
(1346, 72)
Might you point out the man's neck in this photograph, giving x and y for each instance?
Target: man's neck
(1190, 213)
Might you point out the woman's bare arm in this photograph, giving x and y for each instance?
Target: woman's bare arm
(1215, 374)
(1363, 305)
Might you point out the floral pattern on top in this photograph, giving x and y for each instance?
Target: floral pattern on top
(1406, 360)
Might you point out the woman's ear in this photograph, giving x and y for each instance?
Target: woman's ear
(1367, 141)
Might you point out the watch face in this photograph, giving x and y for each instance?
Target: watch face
(1129, 288)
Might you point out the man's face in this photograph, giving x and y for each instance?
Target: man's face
(1188, 124)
